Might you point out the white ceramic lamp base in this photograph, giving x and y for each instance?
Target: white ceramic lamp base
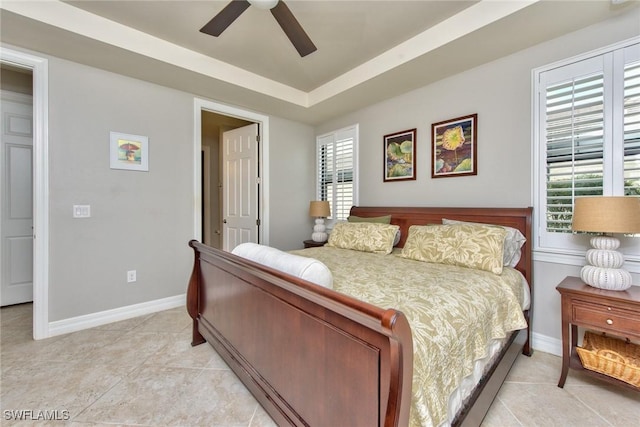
(603, 270)
(319, 231)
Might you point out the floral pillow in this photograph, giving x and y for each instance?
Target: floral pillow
(512, 243)
(363, 236)
(386, 219)
(473, 246)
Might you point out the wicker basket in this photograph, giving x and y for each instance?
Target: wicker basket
(611, 356)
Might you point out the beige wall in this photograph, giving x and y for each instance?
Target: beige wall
(500, 93)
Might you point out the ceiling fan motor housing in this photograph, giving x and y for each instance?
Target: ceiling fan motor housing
(264, 4)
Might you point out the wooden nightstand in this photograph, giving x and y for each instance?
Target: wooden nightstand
(614, 312)
(313, 244)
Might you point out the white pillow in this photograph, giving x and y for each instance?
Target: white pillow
(309, 269)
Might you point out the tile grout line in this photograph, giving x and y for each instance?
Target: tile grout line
(510, 411)
(577, 397)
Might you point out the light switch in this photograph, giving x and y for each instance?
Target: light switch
(81, 211)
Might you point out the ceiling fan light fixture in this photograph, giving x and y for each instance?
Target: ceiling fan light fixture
(264, 4)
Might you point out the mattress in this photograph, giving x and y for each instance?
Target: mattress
(459, 318)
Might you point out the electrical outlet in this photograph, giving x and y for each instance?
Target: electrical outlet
(131, 276)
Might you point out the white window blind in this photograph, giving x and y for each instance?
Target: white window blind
(336, 170)
(574, 146)
(631, 128)
(587, 138)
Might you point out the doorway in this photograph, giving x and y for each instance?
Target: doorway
(16, 192)
(212, 121)
(213, 127)
(39, 75)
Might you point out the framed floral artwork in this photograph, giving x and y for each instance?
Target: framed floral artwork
(400, 156)
(454, 147)
(130, 152)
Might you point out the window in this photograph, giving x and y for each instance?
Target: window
(587, 136)
(337, 177)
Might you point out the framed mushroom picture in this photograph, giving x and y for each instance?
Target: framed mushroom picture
(130, 152)
(454, 147)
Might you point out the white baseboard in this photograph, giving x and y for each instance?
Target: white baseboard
(547, 344)
(87, 321)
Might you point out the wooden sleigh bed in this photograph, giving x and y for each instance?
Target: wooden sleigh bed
(316, 357)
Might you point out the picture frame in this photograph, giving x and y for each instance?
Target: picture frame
(400, 156)
(129, 152)
(454, 150)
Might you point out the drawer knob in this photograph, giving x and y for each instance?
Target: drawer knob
(609, 322)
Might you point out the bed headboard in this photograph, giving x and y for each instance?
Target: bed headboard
(519, 218)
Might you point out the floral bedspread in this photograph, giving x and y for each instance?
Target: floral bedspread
(453, 311)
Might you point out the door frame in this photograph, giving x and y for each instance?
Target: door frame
(263, 161)
(40, 75)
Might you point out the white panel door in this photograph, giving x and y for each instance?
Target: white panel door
(240, 186)
(16, 250)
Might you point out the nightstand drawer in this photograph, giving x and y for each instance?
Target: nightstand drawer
(614, 319)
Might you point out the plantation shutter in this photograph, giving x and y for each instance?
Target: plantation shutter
(587, 136)
(632, 129)
(574, 145)
(325, 164)
(336, 171)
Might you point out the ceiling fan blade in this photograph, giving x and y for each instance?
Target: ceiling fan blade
(225, 17)
(293, 29)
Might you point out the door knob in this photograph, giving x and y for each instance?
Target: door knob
(224, 221)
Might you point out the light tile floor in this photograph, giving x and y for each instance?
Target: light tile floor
(144, 372)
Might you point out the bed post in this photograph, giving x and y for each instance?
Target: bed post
(193, 296)
(401, 357)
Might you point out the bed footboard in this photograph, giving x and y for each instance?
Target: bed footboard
(310, 356)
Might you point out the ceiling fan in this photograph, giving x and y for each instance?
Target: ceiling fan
(279, 10)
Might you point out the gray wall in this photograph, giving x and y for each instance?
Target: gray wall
(504, 162)
(500, 93)
(141, 220)
(292, 180)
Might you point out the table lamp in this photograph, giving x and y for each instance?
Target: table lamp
(319, 209)
(606, 215)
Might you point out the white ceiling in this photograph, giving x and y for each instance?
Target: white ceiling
(368, 50)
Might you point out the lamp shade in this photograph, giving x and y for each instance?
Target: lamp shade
(605, 214)
(319, 208)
